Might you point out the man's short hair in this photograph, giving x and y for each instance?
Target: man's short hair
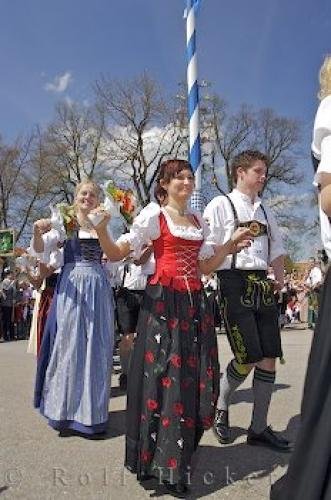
(245, 160)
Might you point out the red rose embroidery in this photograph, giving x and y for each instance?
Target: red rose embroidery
(191, 312)
(178, 409)
(145, 456)
(172, 463)
(176, 361)
(184, 325)
(160, 307)
(152, 404)
(172, 323)
(207, 422)
(204, 326)
(189, 422)
(149, 357)
(210, 372)
(192, 361)
(202, 386)
(166, 382)
(165, 422)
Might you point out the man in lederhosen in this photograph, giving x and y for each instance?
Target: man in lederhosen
(248, 305)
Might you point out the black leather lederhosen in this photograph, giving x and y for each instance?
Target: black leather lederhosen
(249, 309)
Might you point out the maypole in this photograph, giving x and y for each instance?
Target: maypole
(193, 102)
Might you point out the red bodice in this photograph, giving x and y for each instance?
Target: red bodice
(176, 260)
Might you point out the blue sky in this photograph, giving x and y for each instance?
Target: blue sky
(263, 52)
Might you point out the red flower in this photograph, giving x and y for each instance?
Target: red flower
(172, 323)
(176, 361)
(178, 409)
(202, 386)
(145, 456)
(184, 325)
(149, 357)
(165, 421)
(192, 361)
(172, 463)
(159, 307)
(204, 326)
(207, 422)
(189, 422)
(166, 382)
(210, 372)
(191, 311)
(152, 404)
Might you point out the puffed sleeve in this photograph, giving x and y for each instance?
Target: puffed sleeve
(145, 227)
(207, 248)
(321, 145)
(214, 216)
(51, 240)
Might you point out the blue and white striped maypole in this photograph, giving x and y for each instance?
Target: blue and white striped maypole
(193, 101)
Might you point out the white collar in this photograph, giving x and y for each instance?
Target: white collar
(242, 196)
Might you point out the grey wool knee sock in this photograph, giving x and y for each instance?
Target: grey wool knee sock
(263, 384)
(230, 381)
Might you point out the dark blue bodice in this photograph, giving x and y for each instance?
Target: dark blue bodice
(82, 250)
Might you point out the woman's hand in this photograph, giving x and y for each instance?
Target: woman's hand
(99, 217)
(241, 239)
(42, 226)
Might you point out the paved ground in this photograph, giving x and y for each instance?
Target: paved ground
(36, 464)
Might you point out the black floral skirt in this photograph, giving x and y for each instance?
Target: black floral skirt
(173, 382)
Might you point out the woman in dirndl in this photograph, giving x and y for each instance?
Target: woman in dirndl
(74, 365)
(309, 473)
(174, 374)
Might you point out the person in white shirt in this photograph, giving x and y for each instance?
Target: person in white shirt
(314, 283)
(129, 299)
(308, 475)
(248, 304)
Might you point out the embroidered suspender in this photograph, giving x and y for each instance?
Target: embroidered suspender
(236, 225)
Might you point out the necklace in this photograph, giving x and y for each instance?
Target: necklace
(178, 211)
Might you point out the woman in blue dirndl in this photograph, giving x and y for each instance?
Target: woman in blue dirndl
(74, 366)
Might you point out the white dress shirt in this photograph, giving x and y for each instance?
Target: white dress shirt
(220, 218)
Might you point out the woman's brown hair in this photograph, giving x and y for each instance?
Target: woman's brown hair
(168, 170)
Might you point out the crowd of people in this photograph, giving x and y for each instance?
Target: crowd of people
(16, 306)
(149, 284)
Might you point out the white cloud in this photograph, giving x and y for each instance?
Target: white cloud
(60, 83)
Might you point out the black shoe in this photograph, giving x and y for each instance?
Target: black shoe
(178, 490)
(123, 381)
(221, 427)
(269, 439)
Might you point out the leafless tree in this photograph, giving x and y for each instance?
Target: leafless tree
(23, 183)
(277, 137)
(144, 130)
(75, 145)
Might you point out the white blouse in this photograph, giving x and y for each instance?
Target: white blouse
(321, 148)
(146, 227)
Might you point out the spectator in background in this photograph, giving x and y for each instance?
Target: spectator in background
(8, 290)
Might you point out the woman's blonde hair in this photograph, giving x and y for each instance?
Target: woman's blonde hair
(88, 182)
(325, 78)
